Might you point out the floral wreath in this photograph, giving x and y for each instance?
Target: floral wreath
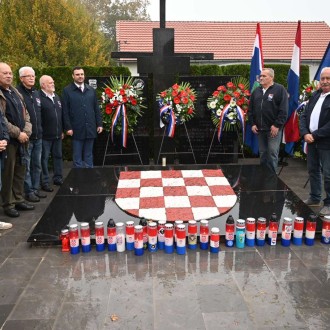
(176, 106)
(229, 104)
(122, 104)
(305, 95)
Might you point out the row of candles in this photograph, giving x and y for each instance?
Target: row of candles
(170, 237)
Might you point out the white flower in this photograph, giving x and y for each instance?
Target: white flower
(219, 111)
(213, 105)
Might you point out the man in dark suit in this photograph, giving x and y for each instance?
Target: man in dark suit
(82, 118)
(19, 129)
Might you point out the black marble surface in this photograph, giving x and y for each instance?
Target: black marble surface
(87, 195)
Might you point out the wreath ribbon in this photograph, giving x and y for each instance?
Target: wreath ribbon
(121, 110)
(170, 127)
(240, 116)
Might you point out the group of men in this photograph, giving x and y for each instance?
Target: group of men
(268, 111)
(32, 126)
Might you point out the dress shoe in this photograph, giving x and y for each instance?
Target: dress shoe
(47, 188)
(24, 206)
(13, 213)
(58, 182)
(31, 197)
(40, 194)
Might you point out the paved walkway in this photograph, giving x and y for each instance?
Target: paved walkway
(253, 288)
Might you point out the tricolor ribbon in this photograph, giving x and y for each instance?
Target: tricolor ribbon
(222, 121)
(121, 110)
(170, 127)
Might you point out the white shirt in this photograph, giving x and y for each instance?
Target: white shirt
(51, 96)
(315, 116)
(81, 87)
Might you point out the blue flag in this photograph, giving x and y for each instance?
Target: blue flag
(324, 63)
(257, 64)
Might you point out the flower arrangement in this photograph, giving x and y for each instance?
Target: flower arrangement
(229, 104)
(122, 104)
(305, 95)
(176, 106)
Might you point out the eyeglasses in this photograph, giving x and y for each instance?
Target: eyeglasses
(28, 76)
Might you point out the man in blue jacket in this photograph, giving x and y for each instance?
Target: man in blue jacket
(268, 111)
(82, 118)
(33, 155)
(315, 129)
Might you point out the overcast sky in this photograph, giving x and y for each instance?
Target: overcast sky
(243, 10)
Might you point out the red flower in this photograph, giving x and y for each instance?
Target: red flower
(122, 92)
(215, 93)
(247, 92)
(163, 94)
(124, 99)
(133, 101)
(237, 94)
(176, 100)
(192, 97)
(230, 85)
(190, 111)
(222, 89)
(241, 86)
(308, 89)
(115, 103)
(175, 86)
(185, 100)
(175, 93)
(227, 97)
(108, 109)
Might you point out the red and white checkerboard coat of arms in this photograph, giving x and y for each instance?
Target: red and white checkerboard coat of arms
(175, 194)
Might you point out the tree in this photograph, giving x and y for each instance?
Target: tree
(50, 33)
(107, 12)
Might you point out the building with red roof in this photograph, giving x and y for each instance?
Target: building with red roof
(231, 42)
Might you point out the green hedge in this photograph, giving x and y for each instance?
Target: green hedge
(62, 75)
(281, 71)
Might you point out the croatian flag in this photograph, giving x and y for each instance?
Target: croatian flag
(324, 63)
(291, 128)
(257, 64)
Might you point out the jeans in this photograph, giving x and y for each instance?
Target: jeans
(318, 163)
(82, 153)
(269, 148)
(33, 166)
(54, 147)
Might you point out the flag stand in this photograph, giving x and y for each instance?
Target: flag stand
(107, 154)
(225, 153)
(177, 152)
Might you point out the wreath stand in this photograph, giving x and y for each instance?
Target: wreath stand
(176, 152)
(107, 154)
(225, 153)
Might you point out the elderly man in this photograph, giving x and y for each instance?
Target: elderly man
(33, 155)
(315, 129)
(51, 115)
(268, 111)
(19, 129)
(82, 118)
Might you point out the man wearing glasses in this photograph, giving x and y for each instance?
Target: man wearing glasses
(19, 129)
(33, 155)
